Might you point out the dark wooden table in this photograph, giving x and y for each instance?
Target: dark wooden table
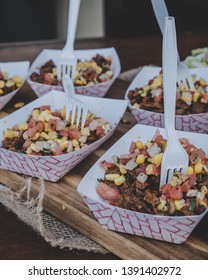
(17, 240)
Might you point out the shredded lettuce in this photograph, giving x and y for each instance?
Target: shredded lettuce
(198, 58)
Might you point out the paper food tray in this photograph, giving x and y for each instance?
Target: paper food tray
(19, 68)
(52, 168)
(97, 90)
(173, 229)
(192, 122)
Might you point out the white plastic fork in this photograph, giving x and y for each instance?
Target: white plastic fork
(67, 62)
(74, 107)
(184, 76)
(175, 157)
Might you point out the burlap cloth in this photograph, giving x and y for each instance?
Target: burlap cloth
(30, 211)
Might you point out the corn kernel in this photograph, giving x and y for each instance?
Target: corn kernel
(140, 159)
(204, 190)
(19, 105)
(157, 159)
(202, 82)
(23, 126)
(139, 145)
(44, 135)
(2, 84)
(64, 145)
(203, 203)
(10, 133)
(149, 169)
(122, 169)
(85, 131)
(1, 91)
(37, 134)
(47, 128)
(175, 181)
(156, 82)
(19, 84)
(190, 170)
(75, 143)
(35, 114)
(43, 115)
(148, 144)
(29, 151)
(186, 97)
(25, 136)
(111, 177)
(119, 181)
(9, 84)
(198, 167)
(52, 135)
(63, 112)
(179, 204)
(34, 148)
(196, 96)
(17, 79)
(162, 206)
(78, 82)
(146, 88)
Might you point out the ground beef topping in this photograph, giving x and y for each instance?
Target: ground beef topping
(131, 181)
(150, 97)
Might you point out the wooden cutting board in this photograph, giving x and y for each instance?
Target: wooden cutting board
(62, 200)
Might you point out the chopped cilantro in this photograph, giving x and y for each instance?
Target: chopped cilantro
(100, 180)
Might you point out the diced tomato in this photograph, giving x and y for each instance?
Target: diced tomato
(124, 160)
(74, 133)
(48, 79)
(52, 124)
(205, 200)
(31, 132)
(56, 114)
(205, 97)
(40, 126)
(57, 151)
(183, 177)
(159, 140)
(184, 141)
(165, 190)
(189, 147)
(27, 143)
(31, 123)
(99, 131)
(171, 192)
(196, 156)
(176, 192)
(88, 121)
(63, 133)
(132, 147)
(189, 183)
(140, 169)
(156, 169)
(107, 164)
(45, 107)
(186, 186)
(107, 192)
(144, 152)
(135, 153)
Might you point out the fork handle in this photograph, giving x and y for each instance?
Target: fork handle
(161, 12)
(73, 13)
(169, 59)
